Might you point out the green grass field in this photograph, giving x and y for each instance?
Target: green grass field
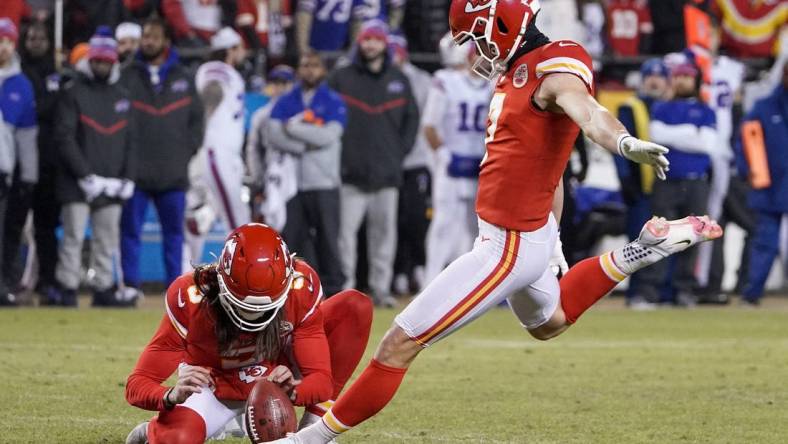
(705, 376)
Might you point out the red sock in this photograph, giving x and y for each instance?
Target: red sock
(587, 282)
(347, 320)
(373, 389)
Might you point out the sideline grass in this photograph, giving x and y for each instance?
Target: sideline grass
(700, 376)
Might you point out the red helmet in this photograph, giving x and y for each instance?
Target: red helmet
(496, 27)
(255, 271)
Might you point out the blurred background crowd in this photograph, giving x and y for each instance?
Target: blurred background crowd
(136, 133)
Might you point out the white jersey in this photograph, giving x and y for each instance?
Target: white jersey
(224, 129)
(726, 80)
(457, 106)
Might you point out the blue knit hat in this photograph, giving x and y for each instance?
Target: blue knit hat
(103, 46)
(281, 73)
(8, 29)
(654, 67)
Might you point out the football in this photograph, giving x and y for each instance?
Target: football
(269, 414)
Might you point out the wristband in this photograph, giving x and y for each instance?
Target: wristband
(168, 405)
(620, 141)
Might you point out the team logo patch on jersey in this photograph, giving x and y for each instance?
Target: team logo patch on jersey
(180, 86)
(251, 374)
(520, 77)
(395, 87)
(121, 106)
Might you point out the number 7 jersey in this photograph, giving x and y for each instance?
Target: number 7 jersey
(527, 148)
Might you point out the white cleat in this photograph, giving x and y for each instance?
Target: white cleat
(668, 237)
(661, 238)
(139, 434)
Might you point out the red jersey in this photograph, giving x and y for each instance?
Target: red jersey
(627, 20)
(186, 335)
(527, 149)
(257, 13)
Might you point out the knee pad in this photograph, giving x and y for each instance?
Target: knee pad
(356, 305)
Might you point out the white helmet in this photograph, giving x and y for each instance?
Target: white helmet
(453, 55)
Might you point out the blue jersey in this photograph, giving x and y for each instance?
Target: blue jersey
(380, 9)
(331, 21)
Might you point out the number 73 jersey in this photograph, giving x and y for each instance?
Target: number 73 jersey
(527, 148)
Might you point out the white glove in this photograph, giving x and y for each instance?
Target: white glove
(92, 186)
(641, 151)
(200, 220)
(112, 186)
(126, 190)
(558, 264)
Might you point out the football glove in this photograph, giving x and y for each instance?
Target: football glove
(558, 264)
(92, 186)
(640, 151)
(127, 190)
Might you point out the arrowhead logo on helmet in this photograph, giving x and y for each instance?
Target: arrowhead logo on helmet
(477, 5)
(497, 28)
(228, 253)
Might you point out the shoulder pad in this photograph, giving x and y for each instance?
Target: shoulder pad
(566, 56)
(306, 291)
(182, 299)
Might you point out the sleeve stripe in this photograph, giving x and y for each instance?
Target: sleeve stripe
(182, 331)
(567, 65)
(317, 302)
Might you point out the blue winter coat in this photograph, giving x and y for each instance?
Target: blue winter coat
(772, 113)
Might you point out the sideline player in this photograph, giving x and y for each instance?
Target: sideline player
(216, 172)
(454, 122)
(543, 98)
(256, 313)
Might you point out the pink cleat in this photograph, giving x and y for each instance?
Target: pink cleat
(668, 237)
(661, 238)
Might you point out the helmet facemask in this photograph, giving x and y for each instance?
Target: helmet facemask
(252, 313)
(489, 64)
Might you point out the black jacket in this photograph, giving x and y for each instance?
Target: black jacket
(170, 122)
(383, 120)
(46, 84)
(93, 132)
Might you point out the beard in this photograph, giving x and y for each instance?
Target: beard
(101, 77)
(684, 94)
(149, 56)
(366, 57)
